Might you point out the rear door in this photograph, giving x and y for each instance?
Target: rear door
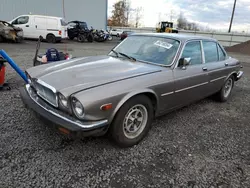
(216, 64)
(191, 82)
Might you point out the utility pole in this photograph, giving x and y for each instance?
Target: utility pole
(232, 17)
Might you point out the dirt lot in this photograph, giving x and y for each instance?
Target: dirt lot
(204, 145)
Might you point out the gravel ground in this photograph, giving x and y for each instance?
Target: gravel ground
(206, 144)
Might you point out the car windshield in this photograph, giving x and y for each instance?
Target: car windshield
(83, 25)
(151, 49)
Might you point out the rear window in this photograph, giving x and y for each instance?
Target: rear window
(63, 23)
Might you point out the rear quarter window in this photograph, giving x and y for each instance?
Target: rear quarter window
(222, 55)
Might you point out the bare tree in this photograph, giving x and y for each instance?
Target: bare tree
(127, 10)
(182, 22)
(138, 16)
(121, 12)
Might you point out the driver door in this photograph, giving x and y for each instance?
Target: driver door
(191, 81)
(72, 30)
(25, 23)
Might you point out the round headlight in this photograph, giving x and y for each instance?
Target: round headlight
(63, 100)
(77, 108)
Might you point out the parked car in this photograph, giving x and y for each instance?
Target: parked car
(52, 29)
(125, 34)
(10, 32)
(145, 76)
(79, 30)
(116, 32)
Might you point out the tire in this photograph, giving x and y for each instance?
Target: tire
(80, 38)
(90, 38)
(1, 38)
(225, 92)
(51, 38)
(144, 107)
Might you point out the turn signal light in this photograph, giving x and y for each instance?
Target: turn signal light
(63, 130)
(60, 32)
(106, 107)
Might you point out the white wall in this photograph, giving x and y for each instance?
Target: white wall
(225, 39)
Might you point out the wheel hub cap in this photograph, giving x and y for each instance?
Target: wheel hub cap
(135, 121)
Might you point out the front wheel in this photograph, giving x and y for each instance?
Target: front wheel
(132, 121)
(226, 90)
(80, 38)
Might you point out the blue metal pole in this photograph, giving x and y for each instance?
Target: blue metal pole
(14, 65)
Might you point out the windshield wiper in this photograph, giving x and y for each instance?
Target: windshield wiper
(116, 53)
(125, 55)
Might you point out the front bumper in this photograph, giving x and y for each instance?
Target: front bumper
(239, 75)
(54, 115)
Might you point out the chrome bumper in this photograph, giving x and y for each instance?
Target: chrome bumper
(239, 75)
(31, 99)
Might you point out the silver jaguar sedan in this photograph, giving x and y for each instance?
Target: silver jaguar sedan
(145, 76)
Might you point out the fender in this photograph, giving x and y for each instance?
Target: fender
(129, 96)
(230, 74)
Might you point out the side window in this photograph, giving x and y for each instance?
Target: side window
(193, 50)
(210, 51)
(222, 55)
(21, 20)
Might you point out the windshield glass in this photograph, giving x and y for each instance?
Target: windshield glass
(83, 25)
(150, 49)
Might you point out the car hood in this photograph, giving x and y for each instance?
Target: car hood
(82, 73)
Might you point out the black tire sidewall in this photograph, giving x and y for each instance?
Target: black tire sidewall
(117, 124)
(90, 38)
(222, 96)
(51, 38)
(80, 38)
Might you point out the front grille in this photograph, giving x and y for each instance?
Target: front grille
(46, 93)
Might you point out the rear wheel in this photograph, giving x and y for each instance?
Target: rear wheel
(226, 90)
(132, 121)
(51, 38)
(90, 38)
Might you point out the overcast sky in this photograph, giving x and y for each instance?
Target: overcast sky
(214, 13)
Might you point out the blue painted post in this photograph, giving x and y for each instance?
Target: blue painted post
(14, 65)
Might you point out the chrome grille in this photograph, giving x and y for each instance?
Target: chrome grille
(46, 93)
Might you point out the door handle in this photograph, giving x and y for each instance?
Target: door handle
(204, 68)
(27, 26)
(226, 64)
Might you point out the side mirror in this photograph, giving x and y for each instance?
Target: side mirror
(183, 62)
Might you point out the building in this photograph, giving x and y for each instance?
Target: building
(94, 12)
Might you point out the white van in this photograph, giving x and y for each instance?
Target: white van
(53, 29)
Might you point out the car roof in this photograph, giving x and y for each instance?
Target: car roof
(177, 36)
(77, 21)
(45, 16)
